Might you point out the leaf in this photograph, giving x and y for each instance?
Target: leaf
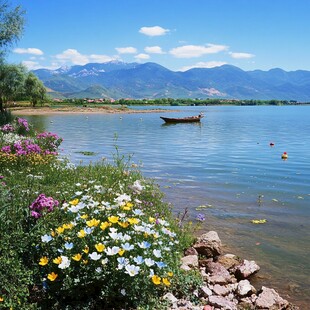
(263, 221)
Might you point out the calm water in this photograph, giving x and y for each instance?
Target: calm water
(227, 164)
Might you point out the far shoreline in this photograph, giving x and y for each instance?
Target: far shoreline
(81, 110)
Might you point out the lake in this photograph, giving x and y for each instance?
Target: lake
(225, 163)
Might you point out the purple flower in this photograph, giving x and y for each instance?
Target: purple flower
(200, 217)
(7, 128)
(6, 149)
(42, 204)
(23, 123)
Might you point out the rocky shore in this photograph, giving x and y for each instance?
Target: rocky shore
(226, 280)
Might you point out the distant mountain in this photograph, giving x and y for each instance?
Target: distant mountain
(117, 80)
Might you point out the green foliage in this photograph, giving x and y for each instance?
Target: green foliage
(105, 209)
(34, 90)
(11, 25)
(6, 117)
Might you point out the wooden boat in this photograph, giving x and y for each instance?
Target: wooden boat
(189, 119)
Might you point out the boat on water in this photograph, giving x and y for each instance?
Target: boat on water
(189, 119)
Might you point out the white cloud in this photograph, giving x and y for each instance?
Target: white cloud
(190, 51)
(241, 55)
(208, 64)
(153, 31)
(31, 65)
(153, 50)
(101, 58)
(142, 56)
(72, 56)
(126, 50)
(29, 50)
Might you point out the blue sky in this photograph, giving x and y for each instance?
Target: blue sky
(178, 34)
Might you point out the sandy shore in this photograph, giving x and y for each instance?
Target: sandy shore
(79, 110)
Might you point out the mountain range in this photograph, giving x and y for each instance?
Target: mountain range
(117, 80)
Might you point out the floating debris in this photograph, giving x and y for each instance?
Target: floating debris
(203, 207)
(259, 221)
(284, 156)
(275, 200)
(86, 153)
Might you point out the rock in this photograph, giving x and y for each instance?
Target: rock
(204, 262)
(206, 291)
(220, 290)
(209, 244)
(190, 260)
(170, 297)
(190, 251)
(218, 274)
(270, 299)
(245, 288)
(185, 267)
(207, 307)
(222, 302)
(246, 269)
(228, 261)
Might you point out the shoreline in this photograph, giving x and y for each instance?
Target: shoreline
(80, 110)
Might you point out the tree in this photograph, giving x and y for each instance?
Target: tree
(12, 78)
(11, 26)
(34, 89)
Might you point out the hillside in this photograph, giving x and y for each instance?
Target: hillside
(149, 80)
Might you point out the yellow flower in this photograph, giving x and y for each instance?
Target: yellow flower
(155, 236)
(170, 273)
(99, 247)
(77, 257)
(152, 219)
(53, 233)
(86, 249)
(81, 233)
(133, 221)
(84, 216)
(156, 279)
(113, 219)
(74, 202)
(67, 226)
(105, 225)
(60, 230)
(145, 235)
(57, 260)
(85, 261)
(92, 223)
(52, 276)
(121, 252)
(166, 282)
(43, 261)
(123, 224)
(1, 299)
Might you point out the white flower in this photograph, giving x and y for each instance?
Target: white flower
(104, 261)
(95, 256)
(46, 238)
(132, 270)
(98, 270)
(144, 245)
(127, 246)
(68, 245)
(138, 260)
(65, 262)
(149, 262)
(161, 264)
(123, 292)
(78, 193)
(157, 253)
(122, 199)
(112, 251)
(137, 187)
(138, 212)
(78, 184)
(122, 262)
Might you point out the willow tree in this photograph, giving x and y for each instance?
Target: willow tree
(11, 28)
(34, 89)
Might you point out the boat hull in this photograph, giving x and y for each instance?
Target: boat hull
(191, 119)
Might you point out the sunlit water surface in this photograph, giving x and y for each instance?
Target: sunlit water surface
(226, 163)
